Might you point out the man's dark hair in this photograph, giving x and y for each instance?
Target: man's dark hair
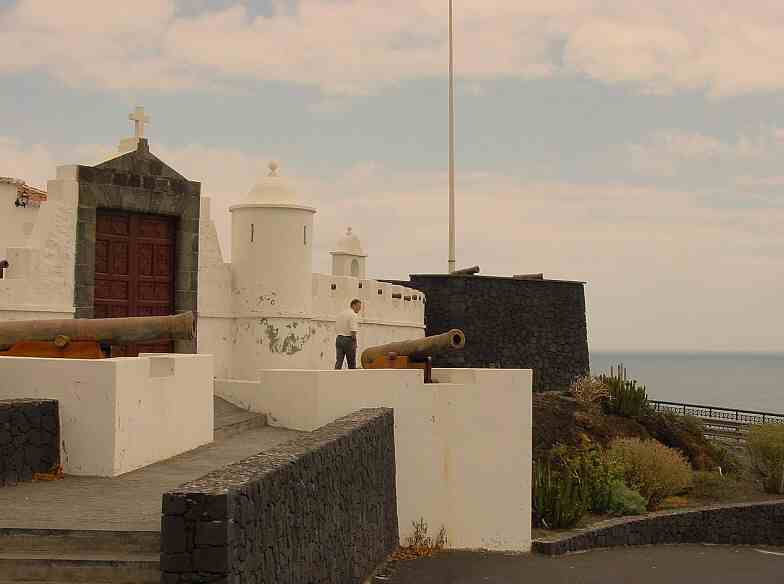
(355, 301)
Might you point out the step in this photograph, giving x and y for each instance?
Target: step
(85, 568)
(231, 420)
(65, 541)
(229, 430)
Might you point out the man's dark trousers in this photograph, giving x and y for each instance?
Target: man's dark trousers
(345, 348)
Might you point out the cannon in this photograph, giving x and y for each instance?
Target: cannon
(414, 353)
(82, 338)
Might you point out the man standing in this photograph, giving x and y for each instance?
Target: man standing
(346, 329)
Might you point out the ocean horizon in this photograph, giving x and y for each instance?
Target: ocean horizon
(743, 380)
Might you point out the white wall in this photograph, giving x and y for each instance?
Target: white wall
(119, 414)
(245, 336)
(272, 259)
(17, 222)
(40, 280)
(463, 446)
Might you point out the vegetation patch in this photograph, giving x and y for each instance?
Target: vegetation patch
(600, 450)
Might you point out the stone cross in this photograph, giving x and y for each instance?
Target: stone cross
(139, 118)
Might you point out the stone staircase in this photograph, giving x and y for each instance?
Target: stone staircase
(93, 557)
(99, 556)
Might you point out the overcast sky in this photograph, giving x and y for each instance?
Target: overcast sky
(635, 148)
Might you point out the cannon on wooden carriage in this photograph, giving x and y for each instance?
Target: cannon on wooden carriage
(414, 353)
(85, 338)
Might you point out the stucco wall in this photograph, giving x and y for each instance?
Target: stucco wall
(117, 415)
(463, 445)
(511, 323)
(320, 508)
(17, 222)
(40, 280)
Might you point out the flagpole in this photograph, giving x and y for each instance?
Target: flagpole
(451, 150)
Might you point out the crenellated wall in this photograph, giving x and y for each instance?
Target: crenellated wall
(263, 336)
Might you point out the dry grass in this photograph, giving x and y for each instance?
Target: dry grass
(589, 390)
(419, 544)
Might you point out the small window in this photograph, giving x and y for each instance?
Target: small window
(355, 268)
(360, 285)
(305, 235)
(398, 296)
(252, 230)
(380, 291)
(334, 287)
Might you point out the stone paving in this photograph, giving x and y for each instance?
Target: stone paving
(682, 564)
(131, 502)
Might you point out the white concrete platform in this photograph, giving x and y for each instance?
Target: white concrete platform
(462, 445)
(121, 414)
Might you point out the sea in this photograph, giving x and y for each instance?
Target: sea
(745, 381)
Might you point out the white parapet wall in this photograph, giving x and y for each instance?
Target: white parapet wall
(117, 415)
(462, 445)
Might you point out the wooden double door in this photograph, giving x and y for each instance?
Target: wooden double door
(135, 270)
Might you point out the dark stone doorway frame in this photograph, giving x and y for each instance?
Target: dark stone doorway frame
(138, 182)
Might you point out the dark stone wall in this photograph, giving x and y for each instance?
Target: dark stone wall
(740, 524)
(510, 323)
(138, 182)
(321, 508)
(29, 439)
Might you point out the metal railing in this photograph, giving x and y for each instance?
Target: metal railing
(718, 421)
(718, 413)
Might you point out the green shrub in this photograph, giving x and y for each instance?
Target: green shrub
(626, 399)
(596, 470)
(765, 443)
(559, 497)
(713, 486)
(625, 501)
(651, 468)
(687, 434)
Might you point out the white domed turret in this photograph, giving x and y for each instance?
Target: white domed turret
(348, 259)
(271, 249)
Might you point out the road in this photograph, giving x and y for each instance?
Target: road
(686, 564)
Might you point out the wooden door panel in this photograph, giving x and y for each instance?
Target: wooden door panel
(134, 270)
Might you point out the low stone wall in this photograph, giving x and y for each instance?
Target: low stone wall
(740, 524)
(321, 508)
(29, 439)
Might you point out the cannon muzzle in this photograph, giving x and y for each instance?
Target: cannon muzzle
(117, 331)
(417, 349)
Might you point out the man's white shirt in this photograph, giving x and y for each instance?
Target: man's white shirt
(347, 322)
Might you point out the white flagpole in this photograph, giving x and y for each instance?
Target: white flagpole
(451, 150)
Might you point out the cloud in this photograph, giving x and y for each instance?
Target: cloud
(664, 270)
(669, 151)
(350, 47)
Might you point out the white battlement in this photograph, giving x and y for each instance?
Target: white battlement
(267, 309)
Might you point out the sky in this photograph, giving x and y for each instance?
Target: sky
(632, 146)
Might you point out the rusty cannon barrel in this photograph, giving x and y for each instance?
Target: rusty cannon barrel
(417, 349)
(118, 331)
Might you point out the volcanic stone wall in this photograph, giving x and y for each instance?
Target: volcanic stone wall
(29, 439)
(739, 524)
(510, 323)
(321, 508)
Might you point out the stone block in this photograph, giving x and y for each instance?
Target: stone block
(173, 562)
(212, 533)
